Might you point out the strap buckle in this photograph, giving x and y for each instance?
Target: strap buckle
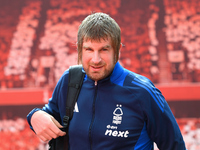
(65, 121)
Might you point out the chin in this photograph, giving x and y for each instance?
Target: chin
(95, 77)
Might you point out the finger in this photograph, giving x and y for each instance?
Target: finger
(47, 135)
(56, 122)
(44, 138)
(57, 131)
(55, 128)
(53, 134)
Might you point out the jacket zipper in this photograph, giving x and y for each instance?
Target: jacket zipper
(93, 115)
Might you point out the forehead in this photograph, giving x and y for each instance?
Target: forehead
(100, 42)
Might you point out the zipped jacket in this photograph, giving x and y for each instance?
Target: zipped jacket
(124, 111)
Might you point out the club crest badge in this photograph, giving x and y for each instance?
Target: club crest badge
(117, 115)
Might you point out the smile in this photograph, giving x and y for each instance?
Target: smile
(96, 68)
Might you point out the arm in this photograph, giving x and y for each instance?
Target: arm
(161, 124)
(45, 122)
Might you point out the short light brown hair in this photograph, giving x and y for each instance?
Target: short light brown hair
(98, 26)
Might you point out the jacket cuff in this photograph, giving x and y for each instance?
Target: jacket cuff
(30, 115)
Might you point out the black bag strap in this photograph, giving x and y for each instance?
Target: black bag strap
(75, 81)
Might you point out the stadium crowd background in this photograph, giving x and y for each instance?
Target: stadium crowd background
(161, 41)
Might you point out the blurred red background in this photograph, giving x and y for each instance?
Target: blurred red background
(37, 43)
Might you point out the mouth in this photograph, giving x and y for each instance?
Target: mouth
(96, 68)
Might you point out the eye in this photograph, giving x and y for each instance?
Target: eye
(88, 49)
(104, 49)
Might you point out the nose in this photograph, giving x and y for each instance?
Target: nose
(96, 57)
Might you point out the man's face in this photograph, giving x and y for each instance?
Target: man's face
(98, 58)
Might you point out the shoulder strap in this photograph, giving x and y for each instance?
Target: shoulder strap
(76, 77)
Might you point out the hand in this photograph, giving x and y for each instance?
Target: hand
(46, 126)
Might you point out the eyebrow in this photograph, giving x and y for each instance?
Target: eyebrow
(106, 46)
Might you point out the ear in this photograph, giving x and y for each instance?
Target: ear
(120, 48)
(121, 45)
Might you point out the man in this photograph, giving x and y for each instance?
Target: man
(116, 108)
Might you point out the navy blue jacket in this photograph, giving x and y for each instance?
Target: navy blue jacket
(123, 111)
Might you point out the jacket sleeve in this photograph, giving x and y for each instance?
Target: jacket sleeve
(161, 123)
(53, 105)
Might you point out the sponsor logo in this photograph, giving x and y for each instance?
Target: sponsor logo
(112, 131)
(117, 119)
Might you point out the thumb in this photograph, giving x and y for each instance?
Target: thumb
(56, 122)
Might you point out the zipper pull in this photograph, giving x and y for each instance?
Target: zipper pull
(95, 83)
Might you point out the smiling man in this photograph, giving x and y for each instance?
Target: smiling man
(117, 109)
